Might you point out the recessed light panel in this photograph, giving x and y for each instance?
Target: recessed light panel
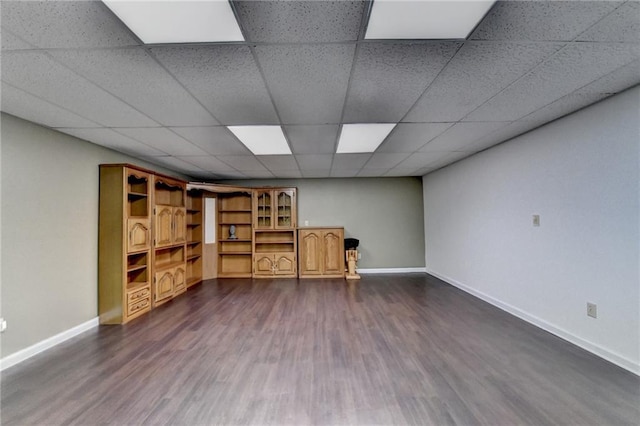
(171, 21)
(262, 140)
(425, 19)
(362, 137)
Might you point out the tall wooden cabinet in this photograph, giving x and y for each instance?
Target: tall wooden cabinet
(195, 236)
(321, 252)
(274, 233)
(142, 236)
(234, 235)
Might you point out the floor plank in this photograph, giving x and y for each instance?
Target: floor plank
(388, 349)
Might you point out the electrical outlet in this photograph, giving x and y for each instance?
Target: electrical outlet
(592, 310)
(359, 255)
(306, 223)
(3, 325)
(536, 220)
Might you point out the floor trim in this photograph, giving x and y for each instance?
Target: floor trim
(24, 354)
(595, 349)
(391, 270)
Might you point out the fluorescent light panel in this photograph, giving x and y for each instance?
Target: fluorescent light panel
(157, 21)
(262, 140)
(425, 19)
(363, 137)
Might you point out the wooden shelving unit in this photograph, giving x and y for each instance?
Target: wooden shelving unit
(194, 237)
(234, 254)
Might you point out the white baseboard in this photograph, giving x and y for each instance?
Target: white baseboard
(390, 270)
(24, 354)
(595, 349)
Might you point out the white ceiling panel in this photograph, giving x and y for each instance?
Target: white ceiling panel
(279, 162)
(65, 24)
(349, 161)
(12, 42)
(258, 174)
(422, 159)
(563, 106)
(389, 78)
(37, 73)
(323, 173)
(461, 135)
(110, 139)
(176, 164)
(216, 140)
(398, 172)
(623, 24)
(477, 72)
(616, 81)
(541, 20)
(385, 160)
(501, 135)
(243, 163)
(22, 104)
(208, 163)
(573, 67)
(410, 137)
(308, 83)
(344, 173)
(314, 161)
(373, 172)
(313, 139)
(287, 174)
(162, 139)
(300, 21)
(136, 78)
(225, 78)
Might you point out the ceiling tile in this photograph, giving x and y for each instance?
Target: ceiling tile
(11, 41)
(279, 162)
(243, 163)
(623, 24)
(501, 135)
(175, 164)
(287, 174)
(216, 140)
(573, 67)
(344, 173)
(385, 160)
(208, 163)
(349, 161)
(422, 159)
(110, 139)
(477, 72)
(389, 78)
(323, 173)
(563, 106)
(372, 172)
(410, 137)
(21, 104)
(232, 175)
(541, 20)
(65, 24)
(258, 174)
(300, 21)
(162, 139)
(312, 139)
(37, 73)
(314, 161)
(136, 78)
(398, 172)
(225, 78)
(616, 81)
(308, 82)
(461, 135)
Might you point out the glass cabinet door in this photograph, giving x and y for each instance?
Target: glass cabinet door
(263, 218)
(285, 206)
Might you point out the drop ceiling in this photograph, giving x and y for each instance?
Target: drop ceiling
(306, 66)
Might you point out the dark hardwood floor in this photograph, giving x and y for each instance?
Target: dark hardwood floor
(390, 349)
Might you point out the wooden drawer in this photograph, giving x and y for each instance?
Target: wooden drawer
(135, 295)
(139, 306)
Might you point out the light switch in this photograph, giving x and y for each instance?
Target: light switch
(536, 220)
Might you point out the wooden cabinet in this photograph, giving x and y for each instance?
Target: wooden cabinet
(142, 235)
(234, 235)
(195, 237)
(274, 235)
(321, 252)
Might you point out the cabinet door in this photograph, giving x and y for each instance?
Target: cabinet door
(163, 285)
(333, 253)
(285, 264)
(164, 221)
(263, 213)
(179, 225)
(264, 264)
(138, 234)
(285, 202)
(310, 252)
(179, 279)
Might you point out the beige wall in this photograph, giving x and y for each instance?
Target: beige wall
(385, 214)
(49, 231)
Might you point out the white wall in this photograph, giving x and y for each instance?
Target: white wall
(49, 231)
(385, 214)
(581, 175)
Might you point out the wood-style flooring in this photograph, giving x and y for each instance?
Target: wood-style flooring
(389, 349)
